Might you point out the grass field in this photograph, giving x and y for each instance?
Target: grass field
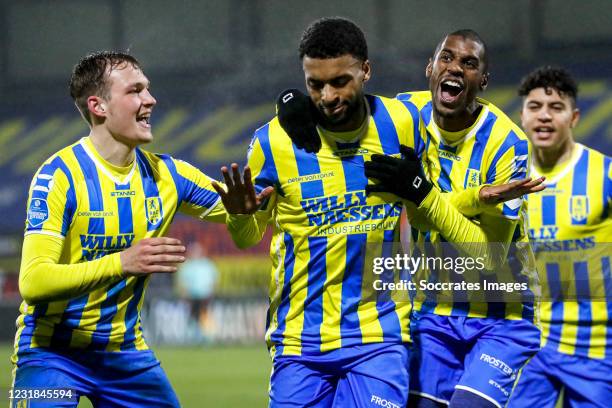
(212, 377)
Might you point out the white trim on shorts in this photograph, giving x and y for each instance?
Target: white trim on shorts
(479, 393)
(429, 396)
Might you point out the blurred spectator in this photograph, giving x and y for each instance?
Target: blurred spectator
(195, 283)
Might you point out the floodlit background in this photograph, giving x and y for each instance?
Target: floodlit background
(216, 68)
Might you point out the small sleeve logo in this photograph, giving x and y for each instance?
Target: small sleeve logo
(38, 212)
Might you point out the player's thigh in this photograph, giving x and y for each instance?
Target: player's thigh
(493, 364)
(47, 378)
(294, 383)
(436, 362)
(380, 379)
(587, 382)
(147, 387)
(536, 385)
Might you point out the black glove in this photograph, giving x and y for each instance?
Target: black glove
(403, 177)
(297, 116)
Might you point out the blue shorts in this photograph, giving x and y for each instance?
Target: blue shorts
(585, 382)
(482, 356)
(122, 379)
(372, 375)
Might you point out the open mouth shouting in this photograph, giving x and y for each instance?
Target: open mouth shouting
(450, 90)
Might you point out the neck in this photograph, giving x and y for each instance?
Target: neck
(353, 123)
(547, 158)
(111, 149)
(460, 122)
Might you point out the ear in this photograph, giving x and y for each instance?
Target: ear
(484, 82)
(523, 125)
(575, 117)
(97, 106)
(429, 68)
(367, 70)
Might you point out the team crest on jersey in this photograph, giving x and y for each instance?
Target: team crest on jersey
(579, 207)
(153, 210)
(38, 212)
(473, 178)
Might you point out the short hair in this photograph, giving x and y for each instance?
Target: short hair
(472, 35)
(90, 74)
(332, 37)
(550, 77)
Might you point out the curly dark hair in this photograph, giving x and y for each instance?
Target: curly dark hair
(90, 74)
(550, 77)
(332, 37)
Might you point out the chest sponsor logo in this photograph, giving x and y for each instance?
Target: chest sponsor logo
(153, 210)
(349, 208)
(38, 212)
(95, 214)
(310, 177)
(579, 207)
(95, 246)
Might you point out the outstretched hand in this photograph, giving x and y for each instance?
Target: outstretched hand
(510, 191)
(240, 197)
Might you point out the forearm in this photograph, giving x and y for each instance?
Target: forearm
(246, 230)
(490, 236)
(42, 279)
(467, 201)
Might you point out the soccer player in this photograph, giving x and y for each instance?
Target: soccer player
(97, 214)
(333, 340)
(572, 213)
(466, 354)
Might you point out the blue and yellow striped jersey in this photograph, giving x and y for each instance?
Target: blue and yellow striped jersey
(321, 295)
(98, 209)
(571, 228)
(494, 150)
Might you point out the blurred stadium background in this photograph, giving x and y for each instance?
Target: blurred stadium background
(216, 68)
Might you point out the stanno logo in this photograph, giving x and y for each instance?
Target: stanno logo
(123, 193)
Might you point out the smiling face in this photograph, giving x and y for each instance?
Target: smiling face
(335, 85)
(127, 105)
(456, 75)
(548, 117)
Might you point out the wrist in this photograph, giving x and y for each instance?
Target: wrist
(428, 200)
(482, 197)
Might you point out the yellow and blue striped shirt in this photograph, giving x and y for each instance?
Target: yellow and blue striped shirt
(493, 151)
(96, 209)
(325, 231)
(571, 228)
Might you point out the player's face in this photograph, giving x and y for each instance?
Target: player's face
(456, 75)
(335, 86)
(548, 117)
(129, 105)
